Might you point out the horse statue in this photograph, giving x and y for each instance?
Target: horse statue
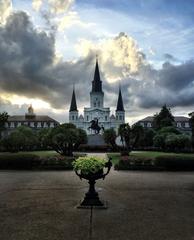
(94, 126)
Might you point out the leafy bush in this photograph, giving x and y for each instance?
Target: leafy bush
(89, 165)
(170, 162)
(172, 141)
(31, 161)
(19, 161)
(135, 163)
(56, 163)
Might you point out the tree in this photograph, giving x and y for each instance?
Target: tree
(192, 128)
(159, 141)
(148, 137)
(124, 132)
(23, 138)
(137, 132)
(110, 137)
(3, 119)
(43, 138)
(30, 140)
(66, 138)
(168, 130)
(163, 119)
(177, 143)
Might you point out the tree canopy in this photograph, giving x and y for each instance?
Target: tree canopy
(3, 119)
(66, 138)
(163, 119)
(110, 137)
(192, 128)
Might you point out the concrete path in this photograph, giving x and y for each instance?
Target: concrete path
(142, 206)
(102, 155)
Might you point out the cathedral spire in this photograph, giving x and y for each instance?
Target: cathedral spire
(120, 106)
(96, 83)
(73, 106)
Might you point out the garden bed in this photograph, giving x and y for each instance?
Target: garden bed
(153, 161)
(36, 161)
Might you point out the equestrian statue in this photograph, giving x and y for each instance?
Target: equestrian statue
(94, 126)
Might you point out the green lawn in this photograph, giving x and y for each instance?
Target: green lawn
(146, 154)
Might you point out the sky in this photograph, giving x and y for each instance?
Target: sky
(47, 46)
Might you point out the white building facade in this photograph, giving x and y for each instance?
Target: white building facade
(97, 111)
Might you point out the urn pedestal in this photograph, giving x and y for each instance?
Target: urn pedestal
(91, 198)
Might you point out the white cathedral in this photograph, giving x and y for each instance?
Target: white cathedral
(97, 111)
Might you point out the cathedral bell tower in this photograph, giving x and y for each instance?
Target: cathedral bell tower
(120, 112)
(96, 95)
(73, 112)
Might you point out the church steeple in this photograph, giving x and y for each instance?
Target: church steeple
(120, 106)
(96, 83)
(96, 95)
(73, 106)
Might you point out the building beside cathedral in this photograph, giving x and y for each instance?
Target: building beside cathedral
(30, 119)
(96, 111)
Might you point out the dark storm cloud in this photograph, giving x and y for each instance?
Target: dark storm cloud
(173, 85)
(176, 77)
(27, 64)
(28, 67)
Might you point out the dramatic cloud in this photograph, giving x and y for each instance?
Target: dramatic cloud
(173, 85)
(120, 57)
(55, 7)
(29, 67)
(5, 10)
(177, 77)
(60, 6)
(36, 4)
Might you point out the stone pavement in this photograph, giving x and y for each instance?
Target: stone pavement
(41, 205)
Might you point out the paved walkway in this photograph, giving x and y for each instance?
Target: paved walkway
(142, 206)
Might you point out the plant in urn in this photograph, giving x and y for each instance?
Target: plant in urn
(91, 168)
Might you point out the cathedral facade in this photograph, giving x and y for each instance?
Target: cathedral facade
(97, 112)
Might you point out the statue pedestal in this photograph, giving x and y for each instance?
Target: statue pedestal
(95, 140)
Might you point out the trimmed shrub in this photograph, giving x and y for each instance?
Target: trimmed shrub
(135, 163)
(30, 161)
(170, 162)
(19, 161)
(56, 163)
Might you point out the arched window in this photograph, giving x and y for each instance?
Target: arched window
(73, 117)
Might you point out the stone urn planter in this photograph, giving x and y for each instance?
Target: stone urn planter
(92, 169)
